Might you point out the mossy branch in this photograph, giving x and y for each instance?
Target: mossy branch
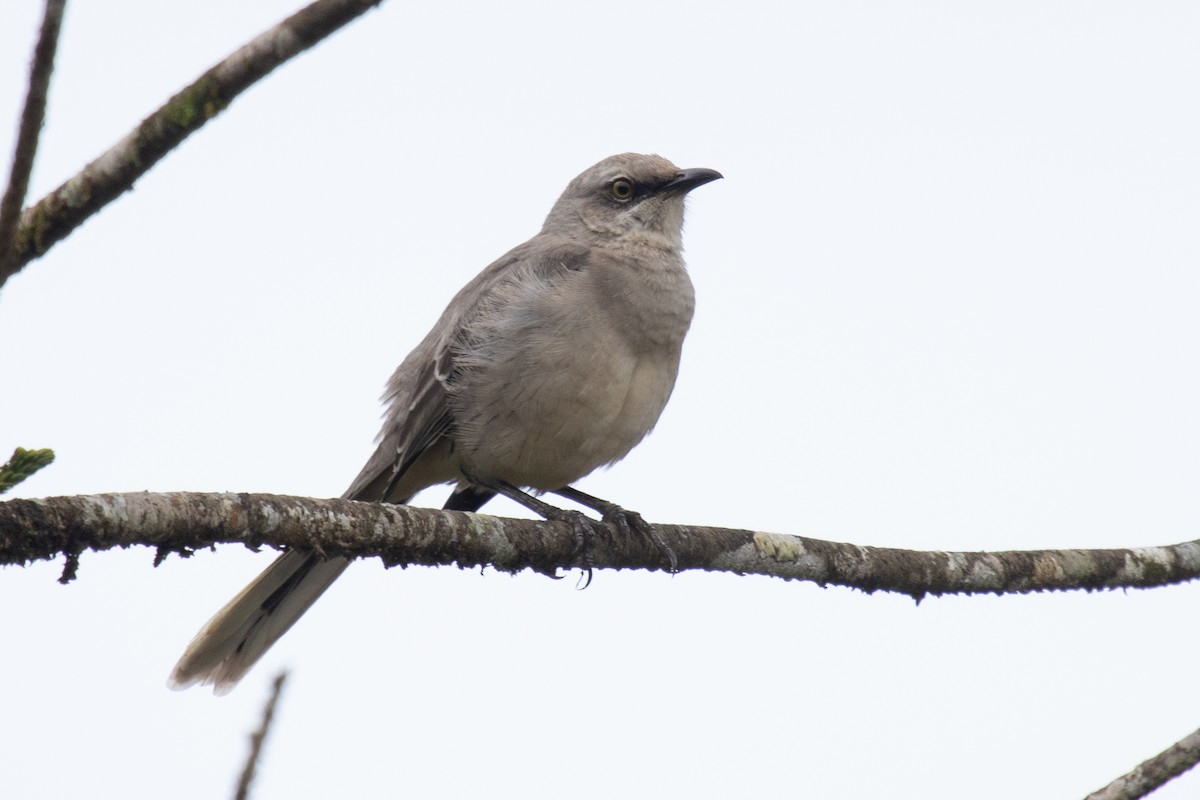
(103, 180)
(181, 522)
(29, 131)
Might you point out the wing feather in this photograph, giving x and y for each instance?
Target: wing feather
(419, 417)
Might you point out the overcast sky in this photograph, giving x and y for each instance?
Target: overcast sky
(947, 298)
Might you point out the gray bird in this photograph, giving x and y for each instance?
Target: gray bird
(555, 360)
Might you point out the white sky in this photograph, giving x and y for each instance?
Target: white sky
(948, 299)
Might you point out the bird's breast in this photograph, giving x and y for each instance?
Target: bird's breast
(577, 389)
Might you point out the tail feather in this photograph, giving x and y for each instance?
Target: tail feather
(238, 635)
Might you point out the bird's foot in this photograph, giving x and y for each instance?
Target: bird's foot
(583, 529)
(631, 523)
(627, 522)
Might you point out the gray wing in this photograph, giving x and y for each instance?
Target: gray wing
(419, 420)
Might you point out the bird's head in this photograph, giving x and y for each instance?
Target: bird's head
(628, 194)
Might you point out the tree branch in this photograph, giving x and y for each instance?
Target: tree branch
(1153, 773)
(28, 132)
(258, 738)
(181, 522)
(113, 173)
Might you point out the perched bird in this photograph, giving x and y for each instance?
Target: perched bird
(555, 360)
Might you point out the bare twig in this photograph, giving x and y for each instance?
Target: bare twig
(114, 172)
(1153, 773)
(29, 131)
(400, 535)
(258, 737)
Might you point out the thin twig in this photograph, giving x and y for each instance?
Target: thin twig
(113, 173)
(1153, 773)
(258, 737)
(29, 131)
(181, 522)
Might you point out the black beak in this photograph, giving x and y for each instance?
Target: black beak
(688, 179)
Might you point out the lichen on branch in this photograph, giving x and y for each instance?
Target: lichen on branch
(182, 522)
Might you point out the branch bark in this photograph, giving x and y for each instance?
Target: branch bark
(182, 522)
(1153, 773)
(113, 173)
(246, 779)
(29, 131)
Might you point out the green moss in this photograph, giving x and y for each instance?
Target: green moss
(23, 464)
(1154, 573)
(195, 105)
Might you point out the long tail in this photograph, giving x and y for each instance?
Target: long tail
(238, 635)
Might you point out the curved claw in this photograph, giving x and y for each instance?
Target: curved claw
(585, 540)
(631, 523)
(627, 522)
(586, 578)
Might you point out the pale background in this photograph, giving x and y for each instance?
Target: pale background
(948, 299)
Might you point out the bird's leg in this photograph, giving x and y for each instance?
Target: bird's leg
(582, 527)
(627, 522)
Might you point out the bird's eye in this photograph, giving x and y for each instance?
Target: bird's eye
(621, 189)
